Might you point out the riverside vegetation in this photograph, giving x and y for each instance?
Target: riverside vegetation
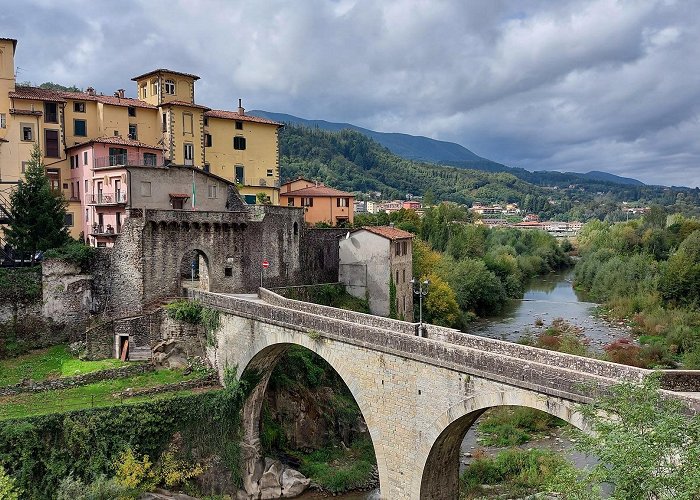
(646, 273)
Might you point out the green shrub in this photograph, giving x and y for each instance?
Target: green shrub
(8, 489)
(189, 311)
(517, 471)
(511, 426)
(73, 251)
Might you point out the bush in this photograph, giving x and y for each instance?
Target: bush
(625, 352)
(73, 251)
(506, 426)
(189, 311)
(519, 472)
(8, 490)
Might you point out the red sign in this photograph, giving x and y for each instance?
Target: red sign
(266, 264)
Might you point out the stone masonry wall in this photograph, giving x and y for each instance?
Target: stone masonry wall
(67, 293)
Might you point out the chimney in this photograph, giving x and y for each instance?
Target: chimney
(119, 93)
(90, 91)
(241, 111)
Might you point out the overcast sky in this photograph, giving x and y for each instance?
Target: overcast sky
(573, 85)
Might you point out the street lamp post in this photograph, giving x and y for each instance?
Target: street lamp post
(420, 288)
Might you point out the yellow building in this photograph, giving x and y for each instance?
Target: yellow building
(165, 115)
(229, 144)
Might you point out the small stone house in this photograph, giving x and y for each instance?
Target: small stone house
(371, 259)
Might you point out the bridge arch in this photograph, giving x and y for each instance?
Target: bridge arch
(441, 444)
(261, 363)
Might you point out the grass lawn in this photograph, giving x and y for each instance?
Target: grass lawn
(48, 363)
(88, 396)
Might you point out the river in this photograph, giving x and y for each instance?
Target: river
(546, 298)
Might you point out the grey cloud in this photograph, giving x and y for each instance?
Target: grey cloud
(567, 85)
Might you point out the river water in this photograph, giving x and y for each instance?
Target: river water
(546, 298)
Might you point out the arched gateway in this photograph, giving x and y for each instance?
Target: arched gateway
(418, 395)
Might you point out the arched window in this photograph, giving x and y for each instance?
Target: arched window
(296, 228)
(170, 87)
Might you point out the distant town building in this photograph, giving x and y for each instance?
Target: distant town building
(411, 205)
(370, 259)
(321, 203)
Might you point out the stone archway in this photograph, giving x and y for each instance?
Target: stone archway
(260, 367)
(440, 477)
(194, 270)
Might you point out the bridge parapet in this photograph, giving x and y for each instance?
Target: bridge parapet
(339, 314)
(541, 376)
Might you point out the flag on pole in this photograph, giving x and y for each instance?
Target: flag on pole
(194, 193)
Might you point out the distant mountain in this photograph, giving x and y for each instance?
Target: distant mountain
(420, 148)
(605, 176)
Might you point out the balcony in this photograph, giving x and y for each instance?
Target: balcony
(107, 231)
(128, 160)
(102, 198)
(261, 182)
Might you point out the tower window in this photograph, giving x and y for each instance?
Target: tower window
(170, 87)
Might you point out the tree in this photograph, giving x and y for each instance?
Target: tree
(38, 213)
(648, 445)
(440, 305)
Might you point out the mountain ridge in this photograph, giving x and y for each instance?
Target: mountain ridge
(421, 148)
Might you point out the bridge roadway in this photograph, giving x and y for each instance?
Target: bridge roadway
(418, 395)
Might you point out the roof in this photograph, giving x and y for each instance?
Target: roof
(179, 195)
(319, 191)
(163, 70)
(14, 43)
(388, 232)
(184, 103)
(28, 112)
(116, 140)
(37, 94)
(234, 115)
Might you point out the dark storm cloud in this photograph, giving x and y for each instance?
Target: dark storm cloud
(567, 85)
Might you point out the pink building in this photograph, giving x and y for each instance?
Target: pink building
(411, 205)
(99, 181)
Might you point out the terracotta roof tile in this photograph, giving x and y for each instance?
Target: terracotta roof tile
(318, 191)
(185, 104)
(388, 232)
(116, 140)
(37, 94)
(234, 115)
(163, 70)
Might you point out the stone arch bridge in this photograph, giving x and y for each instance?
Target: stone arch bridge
(418, 395)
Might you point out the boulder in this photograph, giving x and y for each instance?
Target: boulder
(293, 483)
(279, 481)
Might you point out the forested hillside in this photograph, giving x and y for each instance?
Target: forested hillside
(351, 161)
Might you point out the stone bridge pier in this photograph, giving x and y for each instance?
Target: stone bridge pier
(418, 395)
